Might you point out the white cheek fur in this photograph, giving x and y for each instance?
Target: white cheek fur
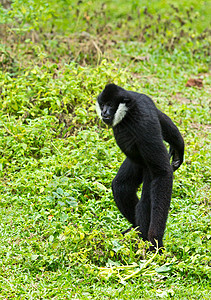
(98, 110)
(120, 113)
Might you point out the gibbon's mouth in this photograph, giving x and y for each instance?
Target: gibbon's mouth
(107, 120)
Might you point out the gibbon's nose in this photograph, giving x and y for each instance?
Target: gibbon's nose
(107, 118)
(106, 113)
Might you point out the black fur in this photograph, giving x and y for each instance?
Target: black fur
(140, 136)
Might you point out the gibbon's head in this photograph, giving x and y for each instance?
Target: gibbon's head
(111, 104)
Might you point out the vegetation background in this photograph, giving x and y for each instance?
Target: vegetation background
(59, 226)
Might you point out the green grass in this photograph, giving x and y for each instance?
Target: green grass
(59, 225)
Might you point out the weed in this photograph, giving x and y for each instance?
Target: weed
(60, 228)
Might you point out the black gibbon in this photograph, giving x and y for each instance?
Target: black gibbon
(139, 129)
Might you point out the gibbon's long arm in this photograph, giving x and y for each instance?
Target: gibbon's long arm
(172, 136)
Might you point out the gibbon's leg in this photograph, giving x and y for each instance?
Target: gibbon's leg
(124, 187)
(161, 174)
(143, 208)
(161, 189)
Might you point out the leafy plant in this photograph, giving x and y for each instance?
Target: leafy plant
(59, 226)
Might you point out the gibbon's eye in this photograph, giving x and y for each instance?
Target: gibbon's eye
(101, 105)
(110, 104)
(105, 104)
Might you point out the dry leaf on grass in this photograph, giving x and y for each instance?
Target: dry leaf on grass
(194, 82)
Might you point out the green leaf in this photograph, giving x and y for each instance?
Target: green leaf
(59, 191)
(164, 269)
(34, 257)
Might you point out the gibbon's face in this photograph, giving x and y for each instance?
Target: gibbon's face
(110, 107)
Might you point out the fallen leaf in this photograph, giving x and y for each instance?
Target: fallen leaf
(194, 82)
(140, 58)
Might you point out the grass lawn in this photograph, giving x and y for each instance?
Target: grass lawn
(59, 225)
